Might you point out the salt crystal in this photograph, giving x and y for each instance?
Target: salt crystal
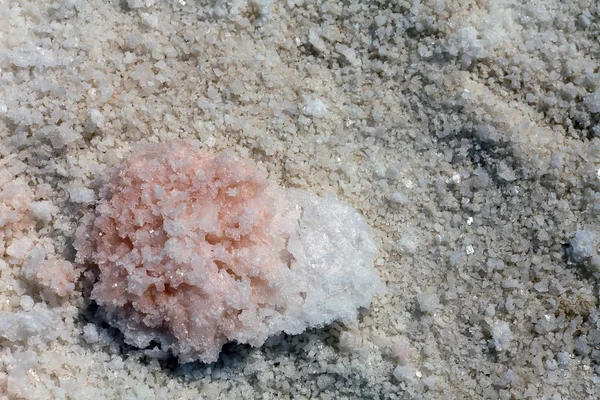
(508, 378)
(506, 173)
(541, 286)
(546, 324)
(19, 248)
(501, 335)
(57, 275)
(563, 358)
(83, 195)
(90, 333)
(408, 243)
(428, 302)
(392, 172)
(454, 179)
(63, 136)
(43, 210)
(265, 8)
(511, 283)
(21, 325)
(133, 4)
(380, 171)
(315, 40)
(315, 108)
(495, 264)
(30, 55)
(324, 381)
(531, 392)
(398, 198)
(96, 118)
(551, 364)
(400, 351)
(431, 382)
(349, 341)
(404, 373)
(584, 249)
(26, 303)
(584, 245)
(592, 102)
(349, 54)
(212, 93)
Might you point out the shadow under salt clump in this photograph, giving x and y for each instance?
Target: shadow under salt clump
(233, 358)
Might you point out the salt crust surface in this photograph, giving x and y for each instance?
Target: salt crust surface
(465, 132)
(194, 250)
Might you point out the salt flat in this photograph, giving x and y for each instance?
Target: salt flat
(466, 133)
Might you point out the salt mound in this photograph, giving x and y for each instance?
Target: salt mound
(194, 250)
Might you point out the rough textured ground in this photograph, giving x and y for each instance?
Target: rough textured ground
(466, 132)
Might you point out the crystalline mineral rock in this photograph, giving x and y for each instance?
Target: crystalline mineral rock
(194, 250)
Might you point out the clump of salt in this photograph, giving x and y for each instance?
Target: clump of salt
(584, 250)
(194, 250)
(501, 335)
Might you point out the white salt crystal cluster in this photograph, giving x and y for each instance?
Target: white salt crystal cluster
(501, 335)
(43, 210)
(584, 249)
(428, 302)
(593, 102)
(315, 108)
(20, 326)
(195, 250)
(80, 194)
(404, 373)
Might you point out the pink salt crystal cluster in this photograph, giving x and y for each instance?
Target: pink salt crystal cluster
(194, 250)
(15, 198)
(26, 253)
(54, 276)
(59, 276)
